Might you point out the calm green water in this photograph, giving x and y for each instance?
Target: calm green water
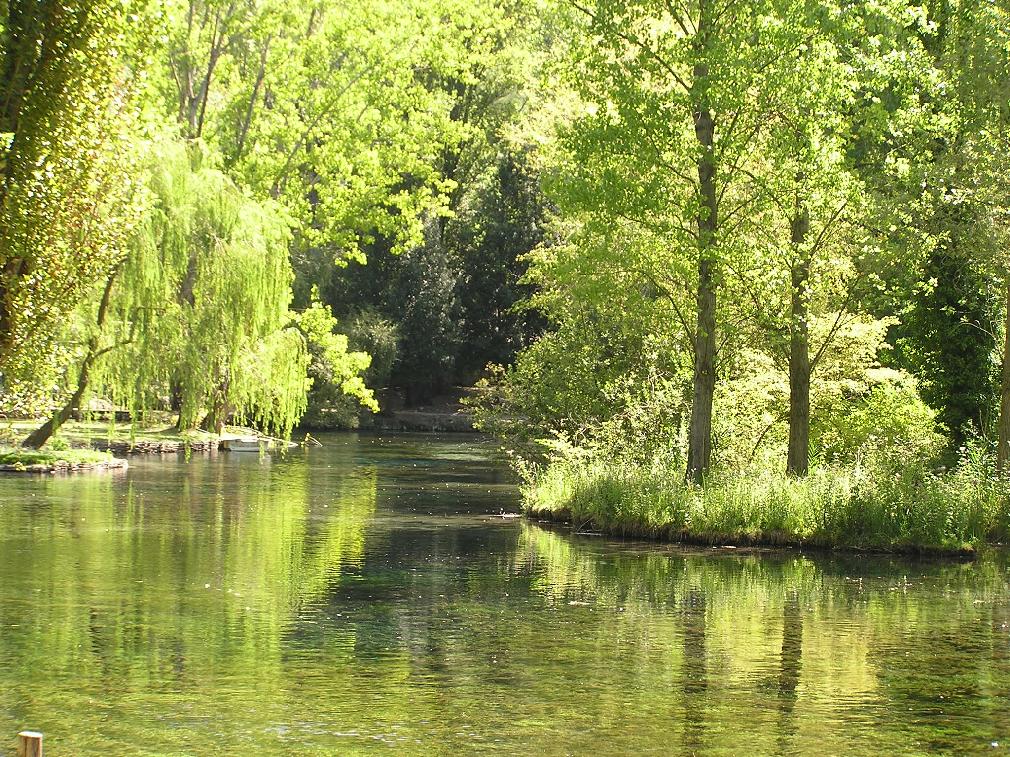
(365, 598)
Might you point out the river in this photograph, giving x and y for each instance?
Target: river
(367, 597)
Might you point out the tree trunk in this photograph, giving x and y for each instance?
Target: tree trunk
(188, 414)
(220, 409)
(1003, 449)
(45, 432)
(214, 420)
(699, 452)
(179, 424)
(798, 457)
(699, 455)
(243, 130)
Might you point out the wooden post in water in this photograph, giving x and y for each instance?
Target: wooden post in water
(29, 744)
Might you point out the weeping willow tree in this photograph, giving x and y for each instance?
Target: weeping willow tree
(197, 315)
(232, 296)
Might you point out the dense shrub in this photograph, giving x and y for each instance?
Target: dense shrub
(368, 331)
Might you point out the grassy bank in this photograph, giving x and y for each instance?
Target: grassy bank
(158, 429)
(868, 508)
(14, 460)
(53, 457)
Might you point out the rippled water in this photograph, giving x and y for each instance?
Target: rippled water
(367, 597)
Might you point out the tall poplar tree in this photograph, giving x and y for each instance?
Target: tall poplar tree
(818, 230)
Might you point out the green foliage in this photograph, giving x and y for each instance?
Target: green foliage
(763, 197)
(890, 416)
(341, 378)
(830, 121)
(324, 131)
(68, 195)
(342, 368)
(371, 333)
(58, 444)
(203, 301)
(506, 220)
(949, 339)
(200, 313)
(952, 331)
(429, 324)
(453, 298)
(320, 106)
(569, 381)
(451, 291)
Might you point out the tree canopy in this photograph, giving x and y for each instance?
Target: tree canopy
(728, 228)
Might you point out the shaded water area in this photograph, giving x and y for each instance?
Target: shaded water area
(367, 597)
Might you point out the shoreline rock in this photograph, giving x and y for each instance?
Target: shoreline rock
(153, 446)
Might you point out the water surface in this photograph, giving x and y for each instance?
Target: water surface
(368, 597)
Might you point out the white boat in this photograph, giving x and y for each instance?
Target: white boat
(246, 444)
(254, 444)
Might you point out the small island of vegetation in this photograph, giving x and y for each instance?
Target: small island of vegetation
(57, 460)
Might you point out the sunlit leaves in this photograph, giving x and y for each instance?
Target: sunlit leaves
(68, 197)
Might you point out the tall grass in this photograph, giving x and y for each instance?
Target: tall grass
(879, 504)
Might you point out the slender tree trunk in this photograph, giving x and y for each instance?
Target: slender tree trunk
(201, 112)
(175, 395)
(187, 297)
(45, 432)
(1003, 450)
(798, 457)
(182, 62)
(243, 130)
(188, 413)
(699, 453)
(193, 97)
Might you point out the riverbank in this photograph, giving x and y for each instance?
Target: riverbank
(121, 439)
(912, 511)
(58, 461)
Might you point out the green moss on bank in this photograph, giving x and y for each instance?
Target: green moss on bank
(910, 510)
(72, 457)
